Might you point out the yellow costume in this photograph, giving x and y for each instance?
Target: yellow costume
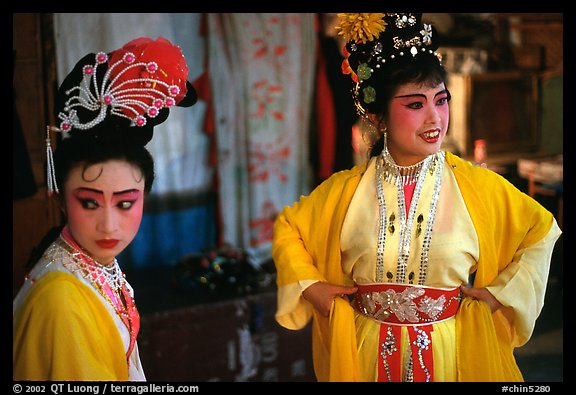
(64, 329)
(483, 225)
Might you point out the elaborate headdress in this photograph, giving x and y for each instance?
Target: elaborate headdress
(120, 96)
(374, 41)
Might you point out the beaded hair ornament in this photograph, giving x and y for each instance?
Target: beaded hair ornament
(373, 41)
(121, 95)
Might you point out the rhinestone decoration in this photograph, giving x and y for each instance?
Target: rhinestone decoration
(422, 342)
(392, 174)
(388, 347)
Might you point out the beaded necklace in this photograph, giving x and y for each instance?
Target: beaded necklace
(110, 282)
(388, 171)
(111, 276)
(399, 175)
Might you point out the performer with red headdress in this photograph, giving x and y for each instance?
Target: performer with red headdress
(75, 317)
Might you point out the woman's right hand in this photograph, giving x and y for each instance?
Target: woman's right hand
(321, 295)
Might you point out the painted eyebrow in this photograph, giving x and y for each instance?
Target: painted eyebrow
(99, 192)
(420, 94)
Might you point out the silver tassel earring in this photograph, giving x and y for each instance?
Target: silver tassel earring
(50, 171)
(385, 138)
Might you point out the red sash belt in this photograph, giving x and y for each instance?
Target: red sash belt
(416, 307)
(399, 304)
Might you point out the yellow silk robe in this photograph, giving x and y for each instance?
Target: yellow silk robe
(306, 248)
(64, 330)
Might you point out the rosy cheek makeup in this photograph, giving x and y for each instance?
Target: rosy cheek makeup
(133, 221)
(400, 111)
(75, 204)
(133, 216)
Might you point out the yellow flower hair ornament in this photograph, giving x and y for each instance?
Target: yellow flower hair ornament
(361, 27)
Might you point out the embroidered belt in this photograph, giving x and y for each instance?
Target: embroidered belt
(406, 305)
(417, 308)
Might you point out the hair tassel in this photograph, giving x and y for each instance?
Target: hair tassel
(50, 171)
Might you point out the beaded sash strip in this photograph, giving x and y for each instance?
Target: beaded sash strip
(418, 369)
(431, 217)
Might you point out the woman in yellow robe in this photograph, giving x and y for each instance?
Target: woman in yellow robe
(416, 217)
(75, 316)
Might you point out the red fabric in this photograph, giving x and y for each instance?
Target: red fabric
(450, 305)
(408, 192)
(419, 328)
(172, 69)
(203, 25)
(390, 350)
(325, 119)
(204, 91)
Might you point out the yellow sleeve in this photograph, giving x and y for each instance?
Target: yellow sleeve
(306, 248)
(64, 332)
(294, 263)
(306, 244)
(291, 251)
(516, 236)
(522, 284)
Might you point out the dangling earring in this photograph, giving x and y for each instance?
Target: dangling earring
(385, 139)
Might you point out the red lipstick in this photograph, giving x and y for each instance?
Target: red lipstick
(107, 243)
(431, 136)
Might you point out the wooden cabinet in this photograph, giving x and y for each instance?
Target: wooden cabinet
(501, 108)
(227, 341)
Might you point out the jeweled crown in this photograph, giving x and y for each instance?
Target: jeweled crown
(374, 40)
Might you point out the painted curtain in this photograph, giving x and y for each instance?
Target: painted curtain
(261, 69)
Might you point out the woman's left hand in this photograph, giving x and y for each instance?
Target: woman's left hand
(482, 294)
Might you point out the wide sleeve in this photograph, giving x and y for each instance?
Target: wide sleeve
(521, 286)
(295, 264)
(63, 332)
(516, 238)
(306, 244)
